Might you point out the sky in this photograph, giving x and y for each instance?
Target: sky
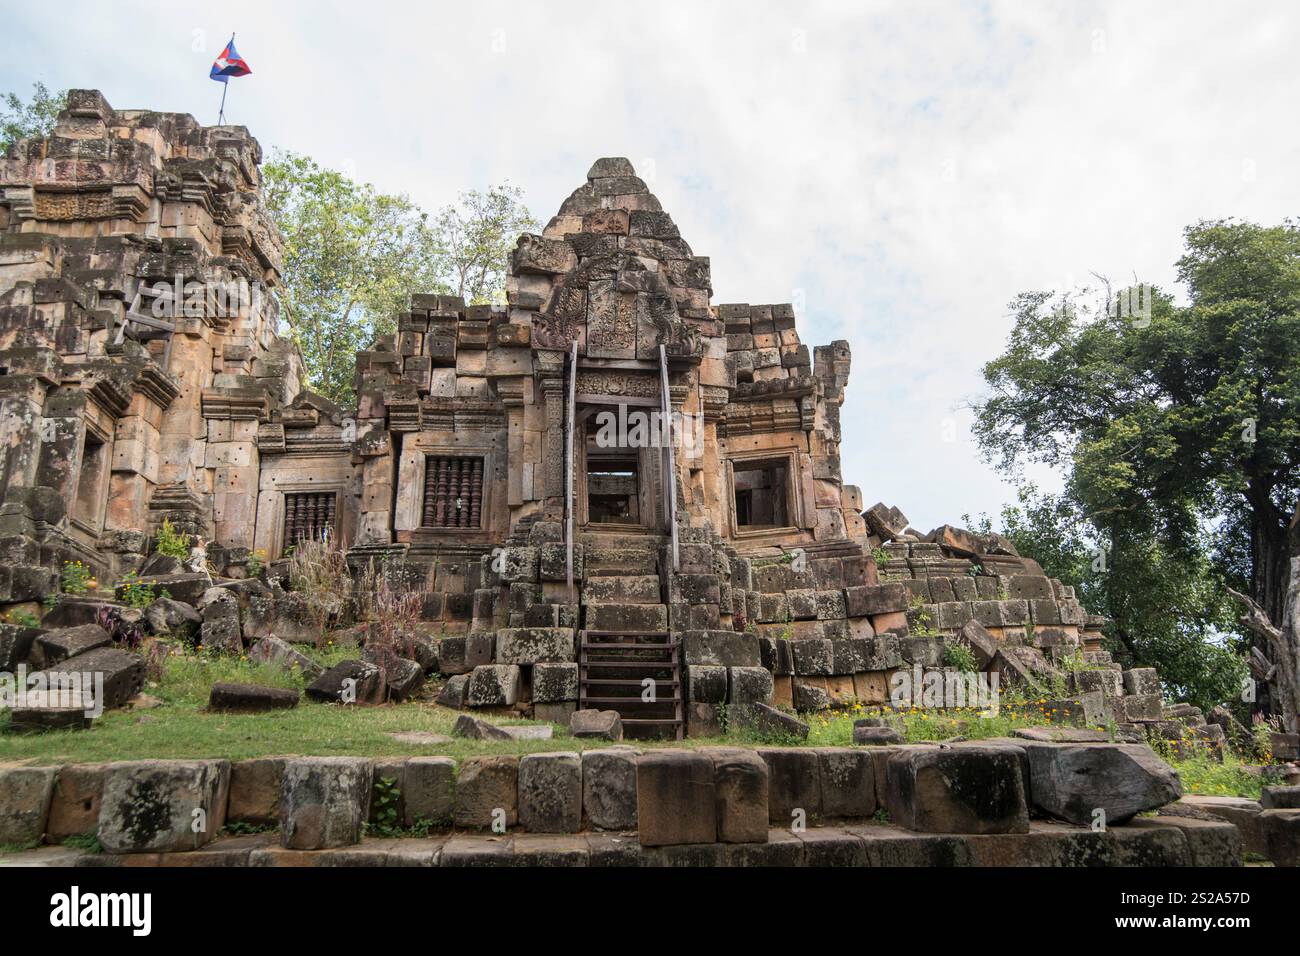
(898, 171)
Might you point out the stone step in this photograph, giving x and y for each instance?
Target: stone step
(625, 617)
(604, 562)
(621, 540)
(623, 589)
(1158, 841)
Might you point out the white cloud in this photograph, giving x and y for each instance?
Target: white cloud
(910, 168)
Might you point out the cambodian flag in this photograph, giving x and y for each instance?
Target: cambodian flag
(229, 64)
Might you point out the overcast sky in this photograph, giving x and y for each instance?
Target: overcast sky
(898, 171)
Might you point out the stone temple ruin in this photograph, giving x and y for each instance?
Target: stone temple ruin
(619, 505)
(513, 461)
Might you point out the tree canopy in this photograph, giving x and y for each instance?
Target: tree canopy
(1177, 426)
(354, 256)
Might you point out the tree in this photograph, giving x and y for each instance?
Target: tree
(476, 236)
(1163, 612)
(1172, 423)
(352, 258)
(20, 120)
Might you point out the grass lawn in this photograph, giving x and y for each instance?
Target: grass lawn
(181, 727)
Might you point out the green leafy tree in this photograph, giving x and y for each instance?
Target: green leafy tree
(33, 118)
(475, 238)
(352, 258)
(354, 255)
(1173, 423)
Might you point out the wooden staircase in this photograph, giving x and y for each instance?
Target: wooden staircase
(613, 668)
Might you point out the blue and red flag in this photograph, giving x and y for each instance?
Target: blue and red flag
(229, 63)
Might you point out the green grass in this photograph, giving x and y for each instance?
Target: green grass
(181, 727)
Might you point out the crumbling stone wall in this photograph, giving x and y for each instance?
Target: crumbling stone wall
(127, 422)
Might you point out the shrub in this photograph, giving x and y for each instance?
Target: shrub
(75, 577)
(173, 543)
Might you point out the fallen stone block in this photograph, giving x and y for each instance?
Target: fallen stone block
(676, 801)
(403, 677)
(122, 673)
(250, 698)
(222, 636)
(25, 794)
(324, 801)
(473, 728)
(873, 735)
(272, 650)
(768, 723)
(596, 724)
(982, 644)
(65, 642)
(286, 615)
(159, 806)
(453, 692)
(172, 618)
(451, 655)
(43, 711)
(609, 788)
(550, 792)
(349, 682)
(969, 789)
(487, 793)
(1074, 781)
(15, 645)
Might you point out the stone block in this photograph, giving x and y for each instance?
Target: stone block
(749, 685)
(555, 682)
(847, 783)
(1072, 781)
(532, 645)
(794, 785)
(676, 802)
(487, 792)
(493, 685)
(25, 795)
(158, 806)
(324, 801)
(740, 780)
(255, 789)
(969, 789)
(596, 725)
(609, 788)
(550, 792)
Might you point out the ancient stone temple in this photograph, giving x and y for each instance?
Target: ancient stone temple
(608, 481)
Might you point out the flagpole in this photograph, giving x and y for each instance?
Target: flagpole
(225, 88)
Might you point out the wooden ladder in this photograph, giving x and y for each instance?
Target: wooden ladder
(613, 668)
